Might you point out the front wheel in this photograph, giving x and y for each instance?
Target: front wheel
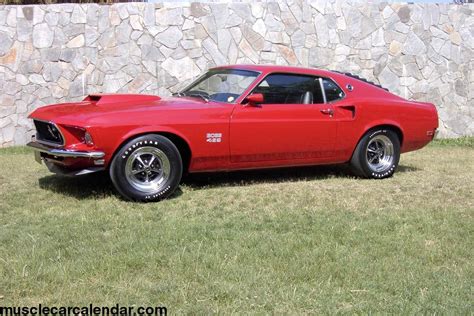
(377, 154)
(147, 168)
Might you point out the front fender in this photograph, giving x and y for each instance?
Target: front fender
(113, 145)
(151, 129)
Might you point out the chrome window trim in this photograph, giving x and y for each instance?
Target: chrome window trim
(322, 90)
(342, 90)
(316, 77)
(257, 83)
(47, 142)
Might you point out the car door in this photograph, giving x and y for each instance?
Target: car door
(293, 122)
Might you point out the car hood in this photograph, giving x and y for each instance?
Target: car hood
(97, 105)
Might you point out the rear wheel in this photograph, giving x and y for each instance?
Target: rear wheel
(377, 154)
(147, 168)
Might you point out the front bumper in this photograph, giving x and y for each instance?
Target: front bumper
(65, 153)
(79, 162)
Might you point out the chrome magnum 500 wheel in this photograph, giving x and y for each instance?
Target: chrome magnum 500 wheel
(147, 168)
(377, 154)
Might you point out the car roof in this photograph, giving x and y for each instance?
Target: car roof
(339, 77)
(278, 68)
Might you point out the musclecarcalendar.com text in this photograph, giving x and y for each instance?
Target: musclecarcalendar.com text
(83, 310)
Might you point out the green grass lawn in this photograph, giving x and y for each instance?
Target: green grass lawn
(305, 240)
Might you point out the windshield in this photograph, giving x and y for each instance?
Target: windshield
(224, 85)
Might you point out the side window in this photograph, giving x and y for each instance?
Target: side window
(290, 89)
(332, 90)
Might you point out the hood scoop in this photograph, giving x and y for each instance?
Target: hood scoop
(104, 99)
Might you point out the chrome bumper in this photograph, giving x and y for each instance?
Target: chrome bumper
(65, 153)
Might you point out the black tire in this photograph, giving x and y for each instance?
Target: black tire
(147, 168)
(377, 154)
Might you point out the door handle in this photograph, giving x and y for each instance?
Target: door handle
(329, 112)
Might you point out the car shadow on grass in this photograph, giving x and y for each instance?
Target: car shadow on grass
(402, 168)
(274, 175)
(96, 186)
(99, 185)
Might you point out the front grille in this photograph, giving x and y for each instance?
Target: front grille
(48, 133)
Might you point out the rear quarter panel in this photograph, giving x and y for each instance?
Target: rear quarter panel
(419, 121)
(412, 119)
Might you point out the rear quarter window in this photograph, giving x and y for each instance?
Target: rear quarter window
(332, 90)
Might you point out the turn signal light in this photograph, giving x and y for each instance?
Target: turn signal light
(88, 139)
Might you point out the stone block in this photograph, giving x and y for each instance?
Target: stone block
(48, 53)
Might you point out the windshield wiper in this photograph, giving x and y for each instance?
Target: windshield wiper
(178, 94)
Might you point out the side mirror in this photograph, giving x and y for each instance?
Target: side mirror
(254, 99)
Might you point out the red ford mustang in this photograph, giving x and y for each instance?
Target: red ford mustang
(232, 117)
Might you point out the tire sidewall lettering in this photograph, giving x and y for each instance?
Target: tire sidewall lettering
(120, 161)
(375, 133)
(158, 194)
(385, 173)
(130, 149)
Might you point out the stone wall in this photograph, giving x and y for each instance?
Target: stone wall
(56, 53)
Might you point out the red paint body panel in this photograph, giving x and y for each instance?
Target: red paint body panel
(282, 132)
(252, 137)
